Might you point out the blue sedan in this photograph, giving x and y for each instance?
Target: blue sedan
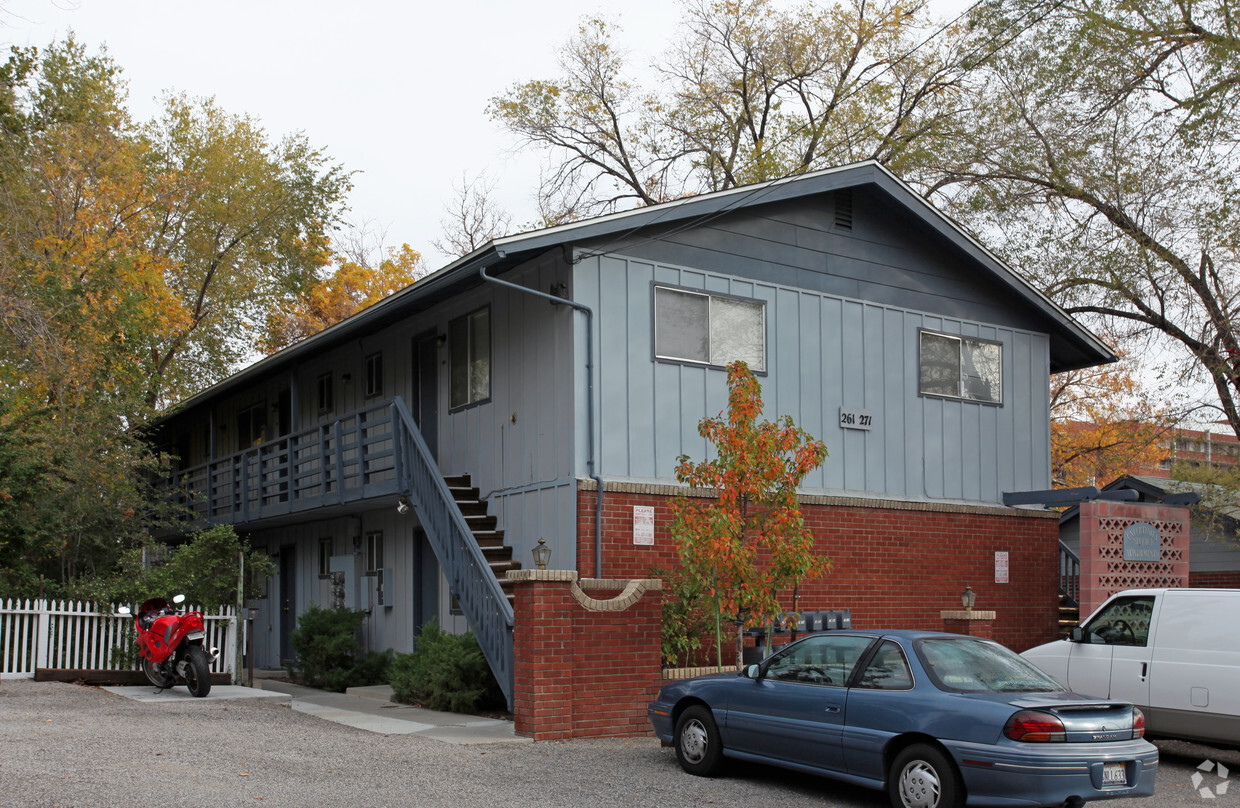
(937, 720)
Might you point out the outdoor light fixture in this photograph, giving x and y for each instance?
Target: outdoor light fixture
(542, 554)
(967, 598)
(402, 505)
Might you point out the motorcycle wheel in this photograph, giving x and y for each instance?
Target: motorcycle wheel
(197, 672)
(156, 675)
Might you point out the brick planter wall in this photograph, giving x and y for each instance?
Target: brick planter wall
(896, 564)
(587, 655)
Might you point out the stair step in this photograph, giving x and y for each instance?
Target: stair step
(458, 480)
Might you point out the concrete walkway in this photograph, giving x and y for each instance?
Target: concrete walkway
(366, 708)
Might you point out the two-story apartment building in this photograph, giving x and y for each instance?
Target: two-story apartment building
(566, 366)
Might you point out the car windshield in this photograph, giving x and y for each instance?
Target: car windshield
(962, 665)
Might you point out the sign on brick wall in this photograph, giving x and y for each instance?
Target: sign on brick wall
(643, 524)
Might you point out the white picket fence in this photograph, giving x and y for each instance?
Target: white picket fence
(67, 634)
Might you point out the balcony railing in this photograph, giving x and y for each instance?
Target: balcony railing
(345, 460)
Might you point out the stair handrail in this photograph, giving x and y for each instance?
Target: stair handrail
(1069, 575)
(469, 575)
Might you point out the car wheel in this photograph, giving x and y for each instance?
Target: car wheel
(923, 777)
(697, 742)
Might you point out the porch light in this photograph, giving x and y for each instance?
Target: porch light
(967, 598)
(542, 554)
(402, 505)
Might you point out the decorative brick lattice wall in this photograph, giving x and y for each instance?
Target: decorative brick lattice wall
(1103, 568)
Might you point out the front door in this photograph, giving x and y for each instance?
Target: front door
(288, 601)
(425, 402)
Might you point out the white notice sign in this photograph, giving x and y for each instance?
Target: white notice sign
(1001, 567)
(643, 524)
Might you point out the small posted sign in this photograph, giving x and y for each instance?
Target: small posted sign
(643, 524)
(1001, 567)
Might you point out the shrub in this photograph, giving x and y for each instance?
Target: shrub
(445, 672)
(328, 655)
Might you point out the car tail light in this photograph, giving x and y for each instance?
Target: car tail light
(1034, 727)
(1138, 723)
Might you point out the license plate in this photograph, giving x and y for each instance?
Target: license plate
(1114, 774)
(198, 635)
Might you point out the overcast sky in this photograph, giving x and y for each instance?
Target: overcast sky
(396, 91)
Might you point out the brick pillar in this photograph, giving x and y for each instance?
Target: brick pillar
(1103, 568)
(587, 654)
(967, 621)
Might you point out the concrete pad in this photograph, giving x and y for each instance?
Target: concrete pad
(148, 694)
(359, 720)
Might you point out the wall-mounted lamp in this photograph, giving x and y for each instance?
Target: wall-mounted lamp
(402, 505)
(542, 554)
(967, 598)
(346, 377)
(441, 339)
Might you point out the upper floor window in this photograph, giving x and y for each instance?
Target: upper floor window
(709, 329)
(252, 425)
(470, 338)
(326, 402)
(961, 367)
(374, 375)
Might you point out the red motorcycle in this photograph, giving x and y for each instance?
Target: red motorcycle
(170, 644)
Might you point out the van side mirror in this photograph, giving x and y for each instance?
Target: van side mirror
(1077, 635)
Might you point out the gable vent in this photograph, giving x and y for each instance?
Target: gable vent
(844, 209)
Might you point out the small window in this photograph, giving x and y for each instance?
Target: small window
(820, 660)
(709, 329)
(1124, 621)
(374, 552)
(325, 557)
(470, 339)
(888, 670)
(959, 367)
(326, 402)
(374, 375)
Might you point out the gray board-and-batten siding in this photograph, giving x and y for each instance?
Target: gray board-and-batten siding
(825, 350)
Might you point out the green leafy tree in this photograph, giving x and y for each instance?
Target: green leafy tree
(134, 260)
(205, 569)
(749, 542)
(1099, 157)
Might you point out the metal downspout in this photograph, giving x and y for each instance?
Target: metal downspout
(589, 312)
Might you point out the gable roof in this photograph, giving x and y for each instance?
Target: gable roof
(1071, 344)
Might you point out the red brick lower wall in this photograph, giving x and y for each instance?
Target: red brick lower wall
(1215, 580)
(583, 671)
(894, 565)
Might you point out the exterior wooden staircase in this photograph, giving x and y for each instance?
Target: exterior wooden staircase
(482, 525)
(1069, 616)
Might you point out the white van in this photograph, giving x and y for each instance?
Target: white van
(1175, 653)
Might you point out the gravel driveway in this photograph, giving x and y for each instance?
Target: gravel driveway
(79, 747)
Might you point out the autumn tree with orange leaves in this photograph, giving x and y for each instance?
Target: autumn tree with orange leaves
(351, 287)
(749, 543)
(1104, 425)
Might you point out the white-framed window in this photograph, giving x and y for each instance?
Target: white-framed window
(469, 338)
(374, 375)
(374, 552)
(961, 367)
(709, 329)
